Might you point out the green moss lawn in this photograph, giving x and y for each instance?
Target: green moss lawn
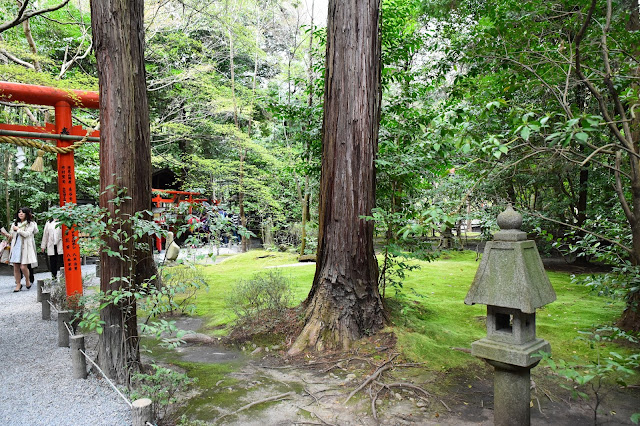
(428, 313)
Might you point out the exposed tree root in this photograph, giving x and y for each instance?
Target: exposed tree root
(245, 407)
(317, 416)
(409, 386)
(388, 386)
(384, 367)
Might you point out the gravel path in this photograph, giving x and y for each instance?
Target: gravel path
(36, 376)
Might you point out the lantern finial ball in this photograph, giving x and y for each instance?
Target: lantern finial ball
(509, 219)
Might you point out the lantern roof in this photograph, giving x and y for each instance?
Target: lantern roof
(511, 274)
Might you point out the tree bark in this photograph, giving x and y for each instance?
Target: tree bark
(32, 45)
(344, 304)
(626, 130)
(125, 162)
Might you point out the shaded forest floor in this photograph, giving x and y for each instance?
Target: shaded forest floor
(257, 384)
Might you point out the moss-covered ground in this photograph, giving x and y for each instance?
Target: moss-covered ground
(429, 319)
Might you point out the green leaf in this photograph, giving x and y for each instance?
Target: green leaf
(581, 136)
(525, 133)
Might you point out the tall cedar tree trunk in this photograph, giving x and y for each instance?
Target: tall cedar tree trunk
(344, 304)
(630, 319)
(625, 128)
(125, 161)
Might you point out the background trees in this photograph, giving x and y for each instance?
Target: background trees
(559, 82)
(533, 103)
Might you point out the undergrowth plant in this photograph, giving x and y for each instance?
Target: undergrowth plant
(148, 301)
(263, 297)
(588, 378)
(623, 280)
(403, 241)
(162, 385)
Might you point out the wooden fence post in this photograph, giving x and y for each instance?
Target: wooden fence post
(39, 285)
(77, 358)
(64, 320)
(46, 308)
(141, 412)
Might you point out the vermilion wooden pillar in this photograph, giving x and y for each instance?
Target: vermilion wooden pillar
(67, 191)
(63, 101)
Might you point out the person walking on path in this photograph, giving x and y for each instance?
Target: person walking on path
(23, 247)
(52, 243)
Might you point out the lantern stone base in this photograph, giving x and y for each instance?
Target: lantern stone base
(511, 395)
(518, 355)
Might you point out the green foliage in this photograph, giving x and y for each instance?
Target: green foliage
(590, 376)
(162, 385)
(152, 296)
(177, 293)
(265, 295)
(621, 283)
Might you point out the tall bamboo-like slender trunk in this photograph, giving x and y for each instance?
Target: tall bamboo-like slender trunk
(305, 189)
(6, 167)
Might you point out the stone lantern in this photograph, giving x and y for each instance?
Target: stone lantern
(512, 282)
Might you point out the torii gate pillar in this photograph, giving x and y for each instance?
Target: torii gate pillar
(67, 192)
(63, 101)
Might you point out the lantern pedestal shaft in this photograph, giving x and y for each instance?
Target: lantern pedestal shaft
(511, 395)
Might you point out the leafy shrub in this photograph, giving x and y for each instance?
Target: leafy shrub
(589, 377)
(161, 386)
(264, 294)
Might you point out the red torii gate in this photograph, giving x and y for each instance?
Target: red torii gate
(63, 101)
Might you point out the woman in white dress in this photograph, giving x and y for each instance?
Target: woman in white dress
(52, 244)
(23, 246)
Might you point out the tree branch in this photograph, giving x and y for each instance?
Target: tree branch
(579, 228)
(623, 200)
(594, 91)
(23, 15)
(67, 64)
(16, 59)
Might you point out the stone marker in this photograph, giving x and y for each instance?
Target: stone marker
(173, 250)
(512, 282)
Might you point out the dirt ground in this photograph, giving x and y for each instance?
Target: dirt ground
(373, 386)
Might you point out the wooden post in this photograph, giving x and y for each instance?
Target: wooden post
(77, 358)
(46, 308)
(67, 191)
(64, 319)
(39, 285)
(141, 412)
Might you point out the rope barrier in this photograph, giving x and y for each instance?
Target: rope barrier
(107, 379)
(53, 306)
(46, 147)
(69, 329)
